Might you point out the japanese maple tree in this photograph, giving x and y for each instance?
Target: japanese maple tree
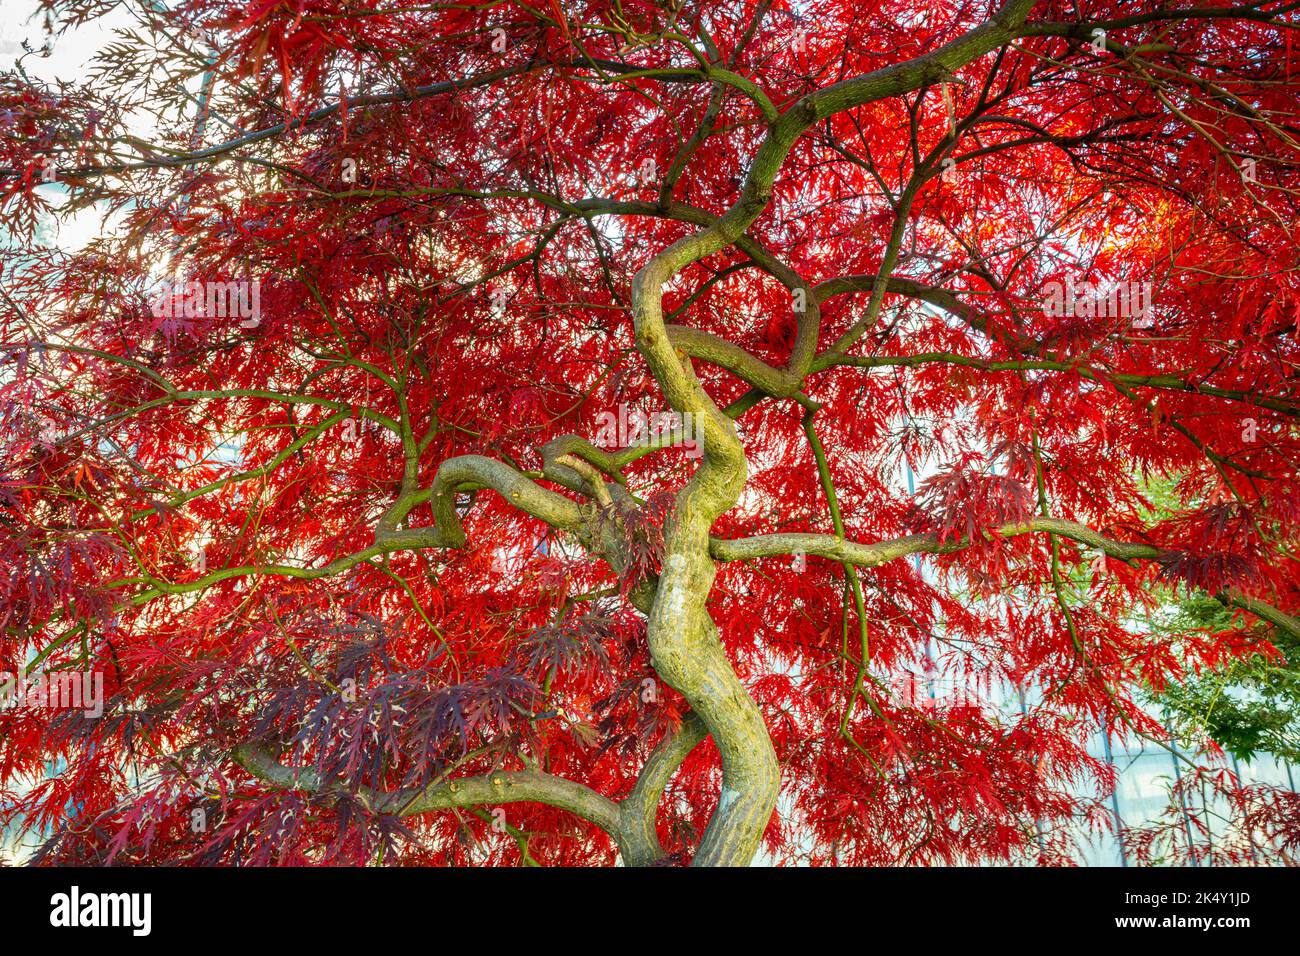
(483, 432)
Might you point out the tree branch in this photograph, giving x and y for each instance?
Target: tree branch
(641, 807)
(499, 787)
(870, 555)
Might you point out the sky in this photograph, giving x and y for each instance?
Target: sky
(59, 58)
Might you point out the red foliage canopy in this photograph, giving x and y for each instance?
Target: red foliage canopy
(515, 406)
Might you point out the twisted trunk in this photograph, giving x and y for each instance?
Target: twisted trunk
(687, 653)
